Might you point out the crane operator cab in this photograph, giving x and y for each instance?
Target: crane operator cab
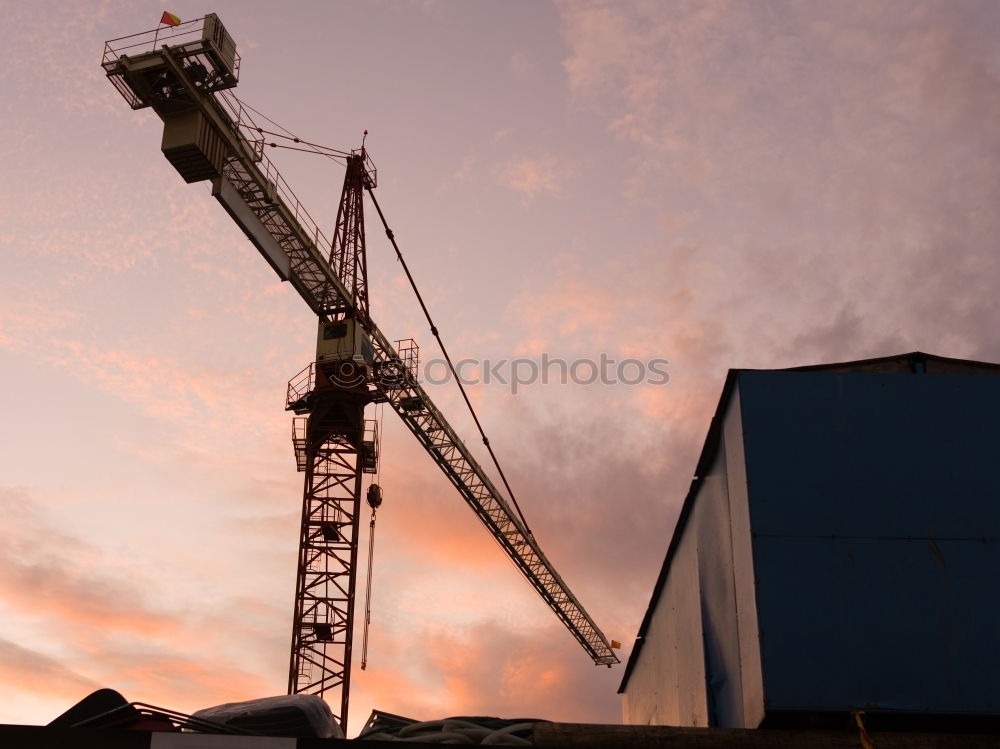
(344, 353)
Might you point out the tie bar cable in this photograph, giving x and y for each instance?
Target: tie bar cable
(451, 366)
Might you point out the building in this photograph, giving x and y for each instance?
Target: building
(839, 549)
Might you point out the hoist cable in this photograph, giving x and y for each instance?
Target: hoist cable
(451, 367)
(379, 410)
(368, 592)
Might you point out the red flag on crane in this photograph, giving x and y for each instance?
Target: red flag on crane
(169, 19)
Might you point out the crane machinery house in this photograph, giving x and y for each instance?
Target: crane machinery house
(344, 341)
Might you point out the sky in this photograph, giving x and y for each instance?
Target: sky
(715, 184)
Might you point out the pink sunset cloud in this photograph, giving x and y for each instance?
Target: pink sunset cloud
(533, 177)
(41, 675)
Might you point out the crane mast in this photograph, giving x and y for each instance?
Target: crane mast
(335, 446)
(210, 135)
(347, 256)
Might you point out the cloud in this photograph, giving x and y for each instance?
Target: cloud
(836, 164)
(61, 55)
(182, 681)
(79, 592)
(106, 623)
(521, 64)
(534, 177)
(733, 97)
(521, 675)
(35, 672)
(739, 185)
(489, 670)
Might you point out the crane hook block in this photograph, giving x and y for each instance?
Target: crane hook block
(374, 496)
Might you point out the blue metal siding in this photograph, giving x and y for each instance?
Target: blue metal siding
(720, 634)
(751, 678)
(875, 623)
(872, 455)
(875, 513)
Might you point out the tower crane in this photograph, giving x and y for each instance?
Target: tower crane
(185, 73)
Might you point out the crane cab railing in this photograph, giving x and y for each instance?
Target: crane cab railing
(300, 387)
(136, 66)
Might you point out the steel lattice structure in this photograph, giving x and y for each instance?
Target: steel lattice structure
(208, 134)
(348, 258)
(330, 449)
(328, 549)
